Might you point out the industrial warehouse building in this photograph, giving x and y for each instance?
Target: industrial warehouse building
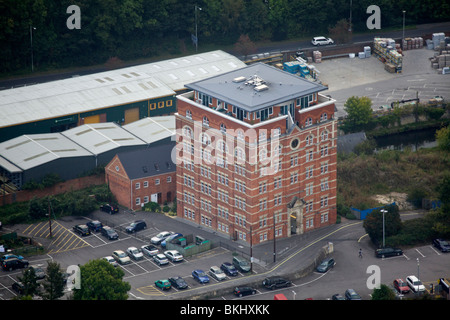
(122, 96)
(76, 151)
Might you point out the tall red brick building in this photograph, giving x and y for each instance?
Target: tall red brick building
(256, 154)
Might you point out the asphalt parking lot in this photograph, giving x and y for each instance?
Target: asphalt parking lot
(68, 248)
(348, 77)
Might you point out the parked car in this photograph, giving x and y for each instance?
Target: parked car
(442, 245)
(178, 282)
(38, 271)
(415, 284)
(163, 284)
(150, 250)
(337, 296)
(121, 257)
(229, 269)
(109, 233)
(160, 259)
(241, 264)
(200, 276)
(217, 273)
(10, 256)
(173, 255)
(170, 238)
(109, 208)
(18, 287)
(388, 252)
(111, 260)
(160, 237)
(136, 226)
(351, 294)
(276, 282)
(14, 263)
(401, 286)
(326, 265)
(81, 229)
(134, 253)
(94, 225)
(243, 291)
(320, 41)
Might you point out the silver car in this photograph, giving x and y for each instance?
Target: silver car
(161, 237)
(160, 259)
(121, 257)
(217, 273)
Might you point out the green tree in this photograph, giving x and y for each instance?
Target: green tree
(383, 293)
(373, 224)
(443, 138)
(359, 114)
(54, 282)
(29, 281)
(101, 281)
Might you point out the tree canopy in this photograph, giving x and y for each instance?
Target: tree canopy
(132, 29)
(101, 281)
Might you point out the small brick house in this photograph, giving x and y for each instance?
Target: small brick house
(141, 176)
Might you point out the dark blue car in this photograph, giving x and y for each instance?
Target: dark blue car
(200, 276)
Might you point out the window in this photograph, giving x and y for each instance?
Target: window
(206, 121)
(145, 184)
(138, 201)
(138, 185)
(223, 128)
(295, 143)
(169, 179)
(324, 135)
(308, 122)
(188, 114)
(323, 117)
(157, 181)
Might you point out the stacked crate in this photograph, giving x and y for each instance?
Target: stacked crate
(412, 43)
(317, 56)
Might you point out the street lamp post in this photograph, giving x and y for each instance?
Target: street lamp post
(31, 45)
(403, 37)
(383, 211)
(196, 35)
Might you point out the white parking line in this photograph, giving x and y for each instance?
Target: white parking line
(437, 252)
(423, 256)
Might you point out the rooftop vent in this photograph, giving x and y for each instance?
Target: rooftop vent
(258, 83)
(238, 79)
(262, 87)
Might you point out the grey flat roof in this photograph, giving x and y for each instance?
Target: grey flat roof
(278, 87)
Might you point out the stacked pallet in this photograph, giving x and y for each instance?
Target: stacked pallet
(317, 56)
(412, 43)
(386, 51)
(441, 61)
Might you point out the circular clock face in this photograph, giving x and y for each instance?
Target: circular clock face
(295, 143)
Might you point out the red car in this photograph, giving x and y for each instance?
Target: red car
(401, 286)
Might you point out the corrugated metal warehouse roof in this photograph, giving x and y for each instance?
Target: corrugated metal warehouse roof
(111, 88)
(29, 151)
(101, 137)
(152, 129)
